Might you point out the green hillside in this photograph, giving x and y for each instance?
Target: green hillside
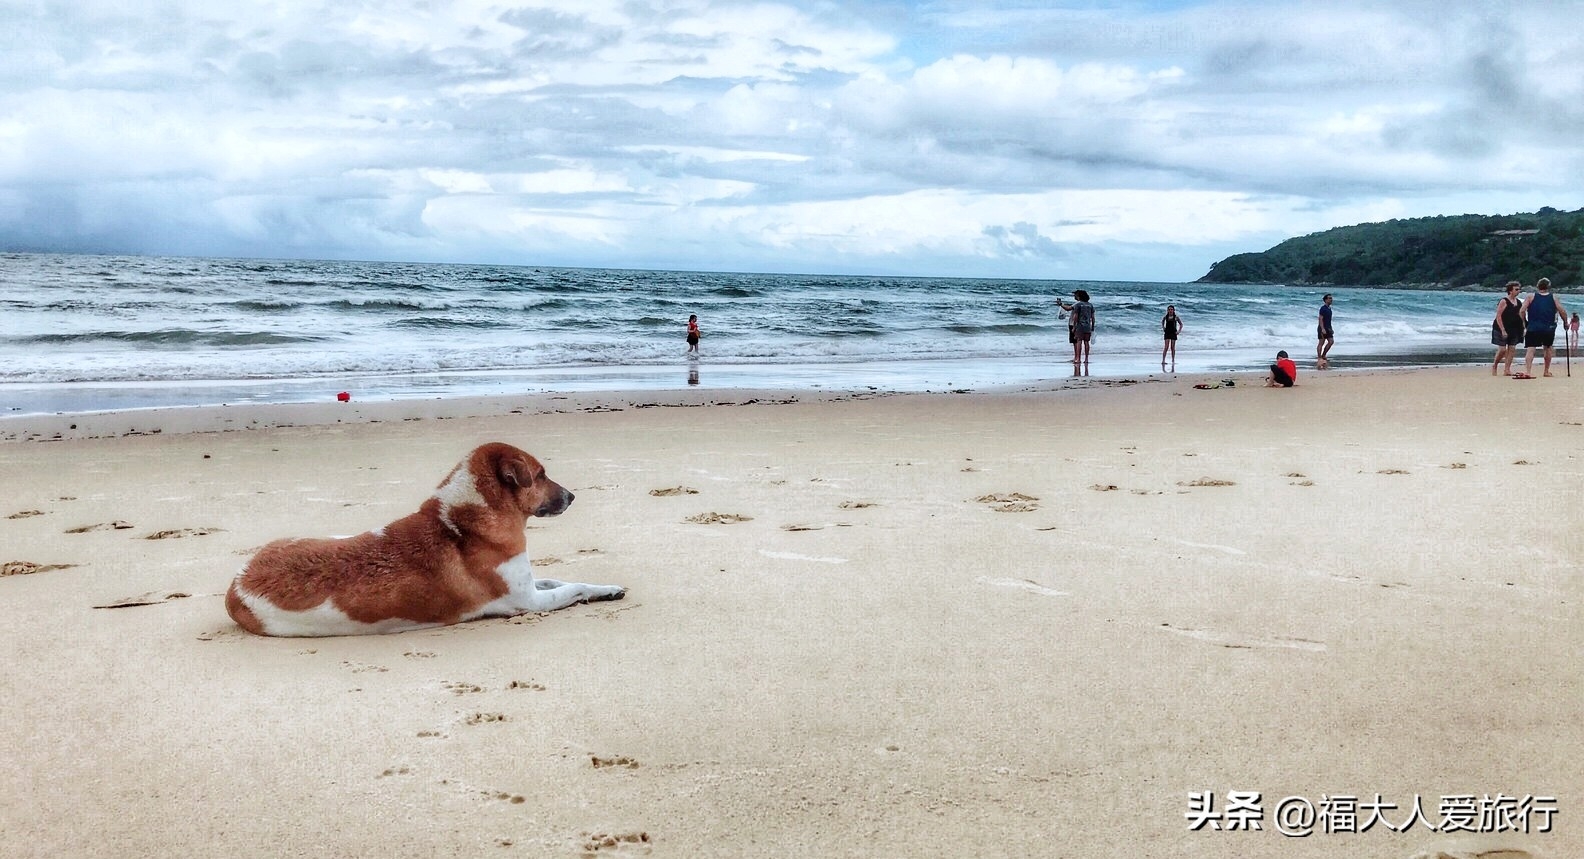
(1449, 252)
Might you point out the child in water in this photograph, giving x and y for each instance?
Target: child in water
(693, 334)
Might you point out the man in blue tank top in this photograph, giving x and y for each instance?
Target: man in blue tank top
(1542, 310)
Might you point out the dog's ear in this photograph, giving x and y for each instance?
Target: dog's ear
(515, 471)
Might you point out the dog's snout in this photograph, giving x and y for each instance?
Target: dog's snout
(558, 502)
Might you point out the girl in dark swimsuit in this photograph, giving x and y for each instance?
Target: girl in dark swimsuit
(1171, 323)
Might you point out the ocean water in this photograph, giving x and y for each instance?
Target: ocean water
(85, 333)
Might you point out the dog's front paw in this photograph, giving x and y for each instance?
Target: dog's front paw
(605, 593)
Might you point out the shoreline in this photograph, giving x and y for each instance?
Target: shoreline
(26, 405)
(255, 416)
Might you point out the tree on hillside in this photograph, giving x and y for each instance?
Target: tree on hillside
(1477, 251)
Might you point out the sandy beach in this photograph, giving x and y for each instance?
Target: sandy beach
(1024, 623)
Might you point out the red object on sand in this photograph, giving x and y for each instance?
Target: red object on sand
(344, 397)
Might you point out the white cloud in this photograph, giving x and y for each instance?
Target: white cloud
(775, 135)
(713, 154)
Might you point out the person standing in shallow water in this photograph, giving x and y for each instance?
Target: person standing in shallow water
(1082, 324)
(693, 334)
(1171, 325)
(1324, 335)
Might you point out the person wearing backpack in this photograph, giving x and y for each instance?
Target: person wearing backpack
(1083, 324)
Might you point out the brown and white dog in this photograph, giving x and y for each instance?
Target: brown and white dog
(460, 557)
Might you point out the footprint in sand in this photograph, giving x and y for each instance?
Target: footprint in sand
(1235, 642)
(857, 505)
(528, 685)
(488, 794)
(420, 654)
(1392, 471)
(1104, 487)
(595, 842)
(551, 560)
(620, 761)
(717, 519)
(485, 718)
(672, 491)
(178, 533)
(802, 527)
(1206, 481)
(457, 688)
(1456, 465)
(1487, 853)
(363, 667)
(395, 771)
(1010, 502)
(28, 568)
(155, 598)
(117, 525)
(26, 514)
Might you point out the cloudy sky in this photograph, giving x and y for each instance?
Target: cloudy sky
(1138, 140)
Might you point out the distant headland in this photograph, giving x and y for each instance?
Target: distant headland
(1444, 252)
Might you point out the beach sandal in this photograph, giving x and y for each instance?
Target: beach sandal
(1522, 376)
(1204, 387)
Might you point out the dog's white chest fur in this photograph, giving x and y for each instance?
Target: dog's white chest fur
(525, 593)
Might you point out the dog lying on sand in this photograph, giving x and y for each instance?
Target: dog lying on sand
(462, 556)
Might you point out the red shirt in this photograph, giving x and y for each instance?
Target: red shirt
(1288, 367)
